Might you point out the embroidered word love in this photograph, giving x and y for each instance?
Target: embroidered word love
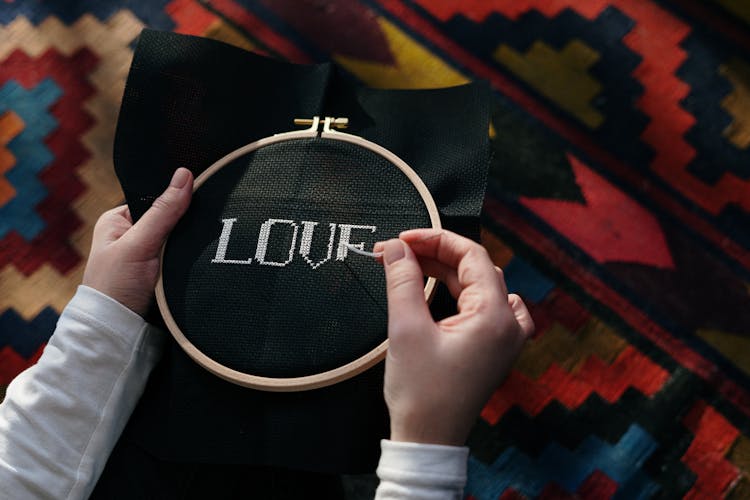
(308, 230)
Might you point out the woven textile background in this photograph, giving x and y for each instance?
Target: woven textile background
(618, 205)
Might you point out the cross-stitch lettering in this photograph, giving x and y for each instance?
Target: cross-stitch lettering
(265, 235)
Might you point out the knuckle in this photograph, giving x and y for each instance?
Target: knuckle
(399, 279)
(163, 202)
(500, 273)
(464, 274)
(484, 306)
(477, 251)
(403, 332)
(472, 300)
(102, 220)
(400, 328)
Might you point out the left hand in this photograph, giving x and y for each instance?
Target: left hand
(124, 258)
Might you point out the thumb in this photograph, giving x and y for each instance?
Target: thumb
(149, 233)
(521, 313)
(407, 309)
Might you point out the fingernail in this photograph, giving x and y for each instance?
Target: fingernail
(393, 250)
(180, 178)
(378, 247)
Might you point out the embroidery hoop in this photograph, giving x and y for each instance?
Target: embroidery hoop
(338, 374)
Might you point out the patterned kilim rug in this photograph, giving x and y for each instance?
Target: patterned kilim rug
(618, 204)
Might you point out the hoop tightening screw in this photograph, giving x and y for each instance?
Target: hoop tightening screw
(335, 122)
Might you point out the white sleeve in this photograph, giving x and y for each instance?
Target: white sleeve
(62, 417)
(421, 471)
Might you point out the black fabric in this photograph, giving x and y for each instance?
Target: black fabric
(143, 476)
(188, 102)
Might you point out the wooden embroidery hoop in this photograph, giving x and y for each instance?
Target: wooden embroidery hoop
(329, 377)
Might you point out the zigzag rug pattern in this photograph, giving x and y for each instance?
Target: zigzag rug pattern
(618, 205)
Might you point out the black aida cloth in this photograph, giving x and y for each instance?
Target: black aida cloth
(188, 102)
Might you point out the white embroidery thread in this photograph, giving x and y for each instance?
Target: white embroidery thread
(221, 250)
(345, 233)
(306, 242)
(305, 246)
(374, 255)
(265, 233)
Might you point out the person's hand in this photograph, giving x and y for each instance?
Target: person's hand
(438, 376)
(124, 258)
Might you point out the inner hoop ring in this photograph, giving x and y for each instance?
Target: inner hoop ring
(329, 377)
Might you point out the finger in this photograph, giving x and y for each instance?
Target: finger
(111, 225)
(431, 267)
(521, 313)
(471, 261)
(407, 309)
(439, 244)
(127, 215)
(501, 280)
(149, 233)
(446, 274)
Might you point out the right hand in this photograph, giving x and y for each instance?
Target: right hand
(438, 376)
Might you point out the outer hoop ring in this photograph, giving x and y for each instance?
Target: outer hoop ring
(329, 377)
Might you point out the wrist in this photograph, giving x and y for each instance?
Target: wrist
(426, 432)
(122, 300)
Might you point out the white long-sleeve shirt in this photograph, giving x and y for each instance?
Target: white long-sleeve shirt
(61, 417)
